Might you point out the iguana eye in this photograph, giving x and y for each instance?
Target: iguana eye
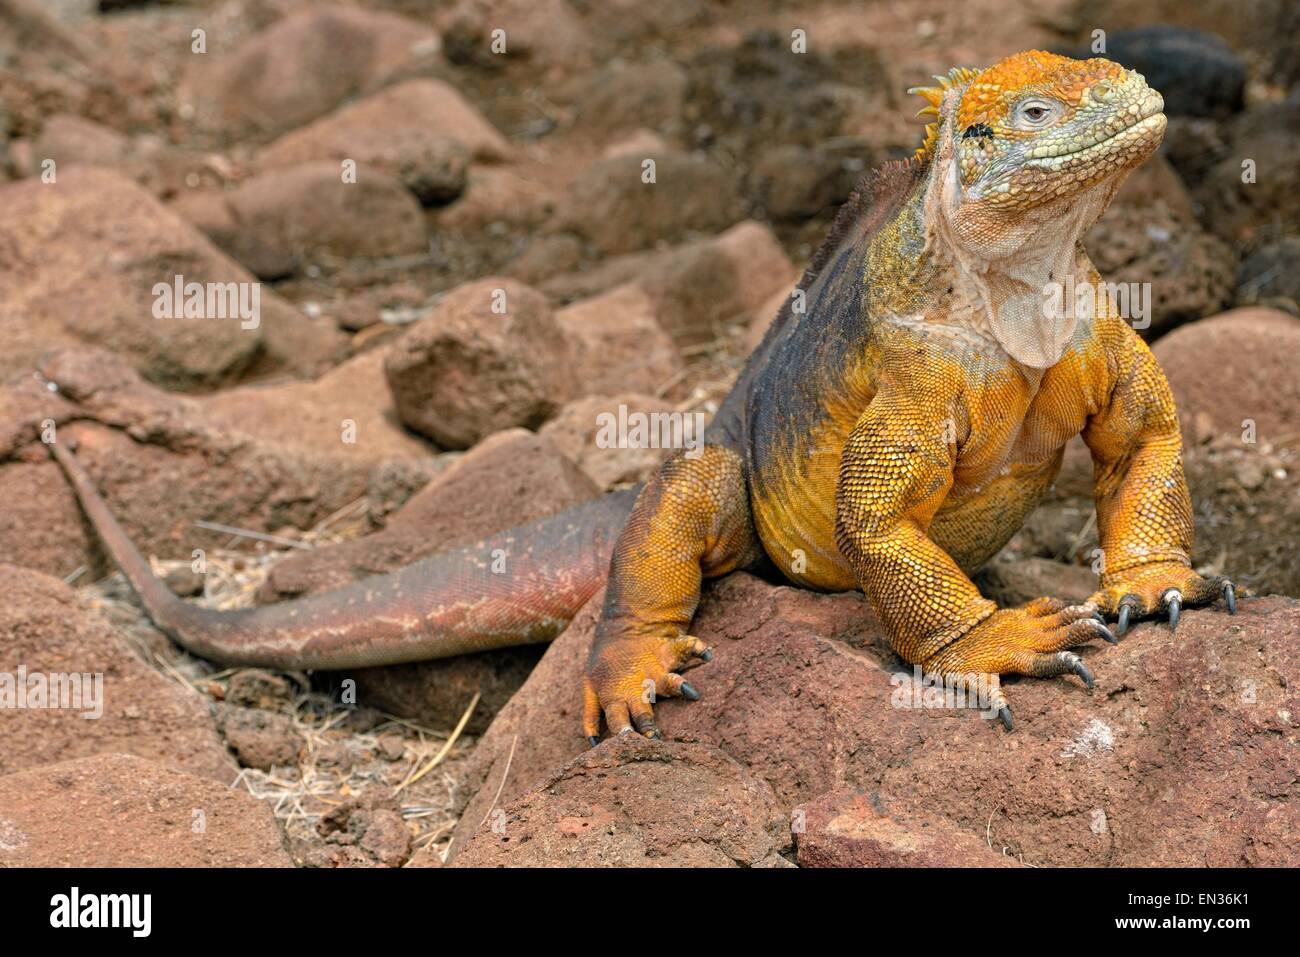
(1036, 113)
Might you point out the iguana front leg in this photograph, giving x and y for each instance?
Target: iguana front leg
(896, 469)
(1144, 510)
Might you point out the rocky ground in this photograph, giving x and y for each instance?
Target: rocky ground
(381, 410)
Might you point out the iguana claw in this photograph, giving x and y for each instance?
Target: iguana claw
(1126, 606)
(1160, 590)
(1077, 667)
(1173, 600)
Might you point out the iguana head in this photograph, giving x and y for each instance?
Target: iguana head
(1023, 158)
(1038, 126)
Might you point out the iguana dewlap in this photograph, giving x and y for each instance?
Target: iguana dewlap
(902, 417)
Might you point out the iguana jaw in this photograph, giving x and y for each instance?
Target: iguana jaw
(1146, 129)
(1039, 174)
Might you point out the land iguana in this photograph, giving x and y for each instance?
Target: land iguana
(905, 412)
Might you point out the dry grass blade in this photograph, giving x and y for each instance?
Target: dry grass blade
(249, 533)
(437, 758)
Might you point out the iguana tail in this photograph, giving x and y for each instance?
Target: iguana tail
(519, 587)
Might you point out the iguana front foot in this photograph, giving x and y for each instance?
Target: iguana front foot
(625, 674)
(1147, 591)
(1030, 640)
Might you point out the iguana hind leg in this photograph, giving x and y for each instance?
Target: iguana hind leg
(691, 521)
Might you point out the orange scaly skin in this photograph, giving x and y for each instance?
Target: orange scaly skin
(891, 434)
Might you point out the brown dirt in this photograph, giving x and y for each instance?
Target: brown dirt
(116, 810)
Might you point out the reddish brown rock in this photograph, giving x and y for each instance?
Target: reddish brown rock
(545, 257)
(47, 68)
(39, 526)
(259, 739)
(609, 273)
(1252, 493)
(850, 829)
(696, 291)
(68, 139)
(437, 693)
(792, 182)
(115, 810)
(551, 36)
(209, 211)
(640, 142)
(417, 131)
(170, 171)
(1270, 276)
(708, 285)
(45, 630)
(1179, 757)
(610, 205)
(490, 356)
(345, 416)
(498, 197)
(1149, 236)
(634, 803)
(1250, 194)
(255, 688)
(171, 445)
(302, 67)
(373, 825)
(394, 483)
(310, 212)
(622, 95)
(83, 258)
(1232, 370)
(618, 343)
(576, 431)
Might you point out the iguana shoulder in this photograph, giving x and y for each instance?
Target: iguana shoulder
(828, 295)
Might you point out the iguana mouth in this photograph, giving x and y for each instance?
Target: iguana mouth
(1151, 121)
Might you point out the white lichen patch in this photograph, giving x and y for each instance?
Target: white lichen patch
(1097, 738)
(11, 839)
